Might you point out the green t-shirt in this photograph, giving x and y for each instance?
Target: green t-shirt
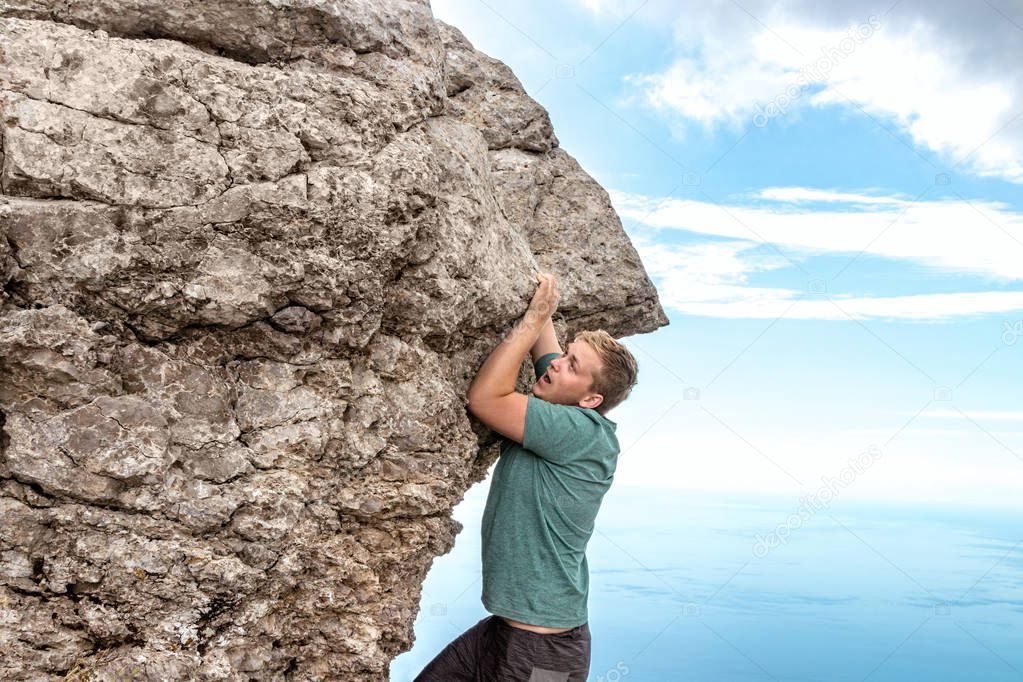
(540, 511)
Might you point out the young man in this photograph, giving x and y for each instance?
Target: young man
(558, 457)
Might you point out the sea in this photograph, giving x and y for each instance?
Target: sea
(700, 586)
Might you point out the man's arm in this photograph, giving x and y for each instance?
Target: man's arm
(492, 396)
(546, 343)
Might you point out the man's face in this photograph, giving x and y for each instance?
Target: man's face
(569, 377)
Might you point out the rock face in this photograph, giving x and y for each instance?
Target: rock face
(252, 254)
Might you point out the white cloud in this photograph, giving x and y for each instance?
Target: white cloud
(604, 7)
(976, 238)
(797, 195)
(712, 278)
(885, 434)
(942, 74)
(977, 415)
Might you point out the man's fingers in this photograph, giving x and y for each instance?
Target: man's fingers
(545, 277)
(547, 286)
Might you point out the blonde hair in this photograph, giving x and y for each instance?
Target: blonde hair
(617, 373)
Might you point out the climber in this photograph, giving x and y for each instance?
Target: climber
(558, 457)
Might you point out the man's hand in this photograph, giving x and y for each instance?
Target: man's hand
(545, 299)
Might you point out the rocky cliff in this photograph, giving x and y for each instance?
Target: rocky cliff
(252, 253)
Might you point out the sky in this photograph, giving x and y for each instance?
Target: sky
(828, 197)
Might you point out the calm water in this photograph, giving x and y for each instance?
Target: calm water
(857, 592)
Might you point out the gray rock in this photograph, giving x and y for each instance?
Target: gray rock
(253, 254)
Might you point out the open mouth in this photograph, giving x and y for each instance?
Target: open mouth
(546, 379)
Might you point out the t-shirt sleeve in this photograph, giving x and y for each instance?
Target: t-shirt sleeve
(542, 363)
(558, 433)
(539, 368)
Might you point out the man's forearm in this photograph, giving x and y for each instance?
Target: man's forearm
(500, 371)
(546, 342)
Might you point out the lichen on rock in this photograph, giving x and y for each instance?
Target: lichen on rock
(252, 256)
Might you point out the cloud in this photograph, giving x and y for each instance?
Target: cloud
(969, 432)
(801, 195)
(967, 237)
(943, 73)
(982, 415)
(605, 7)
(712, 277)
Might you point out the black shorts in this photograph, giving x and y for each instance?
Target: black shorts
(493, 651)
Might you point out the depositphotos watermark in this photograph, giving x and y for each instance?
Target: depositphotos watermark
(614, 674)
(818, 500)
(816, 71)
(1013, 332)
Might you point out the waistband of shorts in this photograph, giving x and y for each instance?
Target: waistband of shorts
(577, 631)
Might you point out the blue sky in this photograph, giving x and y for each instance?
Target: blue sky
(829, 198)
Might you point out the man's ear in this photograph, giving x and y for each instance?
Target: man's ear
(592, 401)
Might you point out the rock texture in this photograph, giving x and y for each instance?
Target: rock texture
(252, 254)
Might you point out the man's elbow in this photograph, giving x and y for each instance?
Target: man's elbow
(475, 400)
(472, 398)
(478, 399)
